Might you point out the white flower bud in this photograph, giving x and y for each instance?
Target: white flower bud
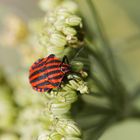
(73, 41)
(83, 88)
(73, 76)
(57, 50)
(62, 13)
(67, 96)
(50, 136)
(73, 20)
(67, 87)
(77, 84)
(58, 40)
(71, 138)
(67, 127)
(74, 84)
(59, 25)
(69, 31)
(83, 74)
(80, 86)
(58, 108)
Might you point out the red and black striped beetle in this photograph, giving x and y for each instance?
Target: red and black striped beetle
(47, 73)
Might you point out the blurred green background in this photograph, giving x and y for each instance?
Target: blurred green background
(121, 20)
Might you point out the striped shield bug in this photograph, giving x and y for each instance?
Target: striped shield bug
(48, 73)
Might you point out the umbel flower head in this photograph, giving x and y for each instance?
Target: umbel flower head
(62, 31)
(61, 35)
(57, 110)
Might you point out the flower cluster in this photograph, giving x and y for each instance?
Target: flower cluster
(57, 111)
(62, 31)
(61, 35)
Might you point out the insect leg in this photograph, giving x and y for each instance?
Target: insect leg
(65, 59)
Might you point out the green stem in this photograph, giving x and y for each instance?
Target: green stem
(117, 92)
(97, 26)
(117, 88)
(102, 39)
(97, 54)
(100, 49)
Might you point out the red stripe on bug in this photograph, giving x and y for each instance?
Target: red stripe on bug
(56, 80)
(37, 75)
(46, 72)
(37, 63)
(48, 65)
(56, 74)
(53, 69)
(48, 86)
(38, 82)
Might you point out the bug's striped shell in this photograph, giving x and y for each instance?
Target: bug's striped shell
(47, 73)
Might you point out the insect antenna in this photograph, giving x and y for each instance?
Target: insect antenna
(77, 53)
